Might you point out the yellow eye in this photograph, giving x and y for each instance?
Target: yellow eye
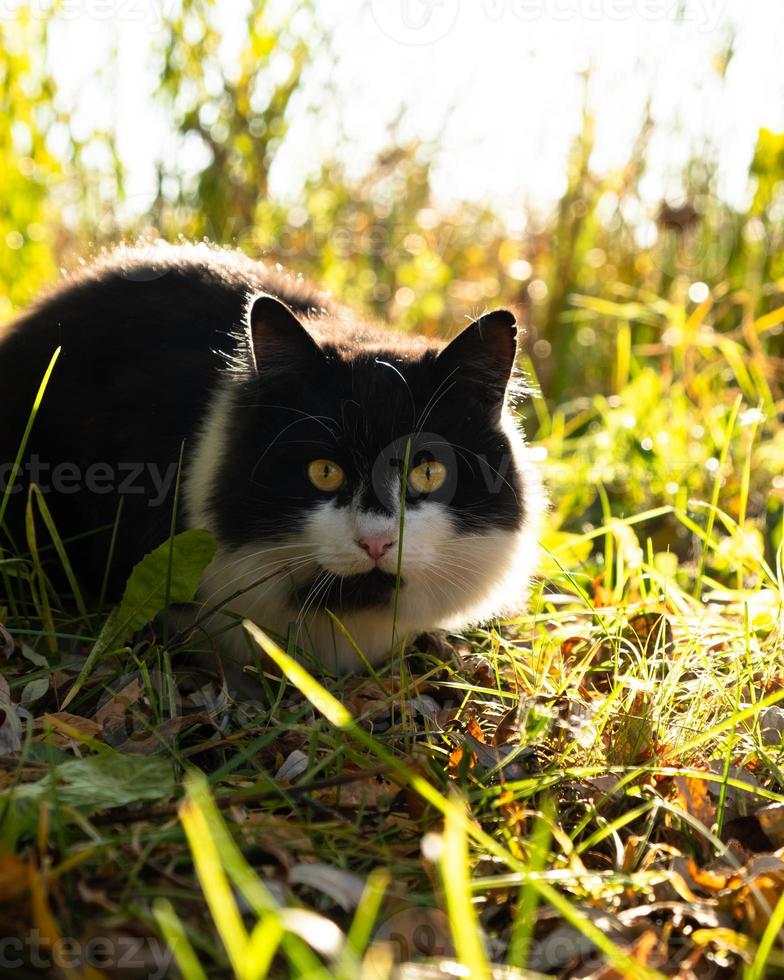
(326, 475)
(427, 477)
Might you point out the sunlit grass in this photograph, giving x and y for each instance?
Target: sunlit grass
(610, 688)
(574, 791)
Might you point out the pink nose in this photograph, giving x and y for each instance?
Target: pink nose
(376, 545)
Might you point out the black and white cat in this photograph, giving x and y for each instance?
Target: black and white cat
(296, 418)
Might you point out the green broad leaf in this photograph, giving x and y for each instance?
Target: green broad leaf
(99, 782)
(146, 592)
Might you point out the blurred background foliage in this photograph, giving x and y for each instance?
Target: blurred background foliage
(643, 328)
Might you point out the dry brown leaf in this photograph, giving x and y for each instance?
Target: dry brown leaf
(456, 759)
(370, 794)
(368, 703)
(771, 819)
(475, 731)
(710, 880)
(738, 801)
(147, 742)
(644, 950)
(69, 728)
(754, 891)
(600, 676)
(649, 631)
(575, 648)
(112, 715)
(600, 789)
(693, 798)
(748, 894)
(753, 903)
(14, 877)
(508, 728)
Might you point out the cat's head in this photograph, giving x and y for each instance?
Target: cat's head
(373, 475)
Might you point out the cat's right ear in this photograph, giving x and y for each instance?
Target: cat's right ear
(483, 355)
(278, 338)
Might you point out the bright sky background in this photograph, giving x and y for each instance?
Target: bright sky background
(499, 80)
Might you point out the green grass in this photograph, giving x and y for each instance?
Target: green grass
(595, 781)
(598, 781)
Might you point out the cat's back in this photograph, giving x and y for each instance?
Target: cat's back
(140, 326)
(158, 295)
(144, 333)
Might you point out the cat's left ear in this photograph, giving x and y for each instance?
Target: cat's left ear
(279, 339)
(484, 353)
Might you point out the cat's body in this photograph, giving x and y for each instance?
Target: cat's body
(295, 421)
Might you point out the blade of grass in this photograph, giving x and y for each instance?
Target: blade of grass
(730, 722)
(303, 960)
(39, 576)
(339, 716)
(773, 932)
(456, 877)
(725, 450)
(26, 435)
(401, 529)
(354, 646)
(110, 555)
(176, 938)
(528, 896)
(215, 885)
(361, 929)
(172, 533)
(265, 938)
(57, 541)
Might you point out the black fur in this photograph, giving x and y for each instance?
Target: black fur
(348, 592)
(146, 334)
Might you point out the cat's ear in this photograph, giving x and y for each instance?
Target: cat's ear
(483, 354)
(278, 338)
